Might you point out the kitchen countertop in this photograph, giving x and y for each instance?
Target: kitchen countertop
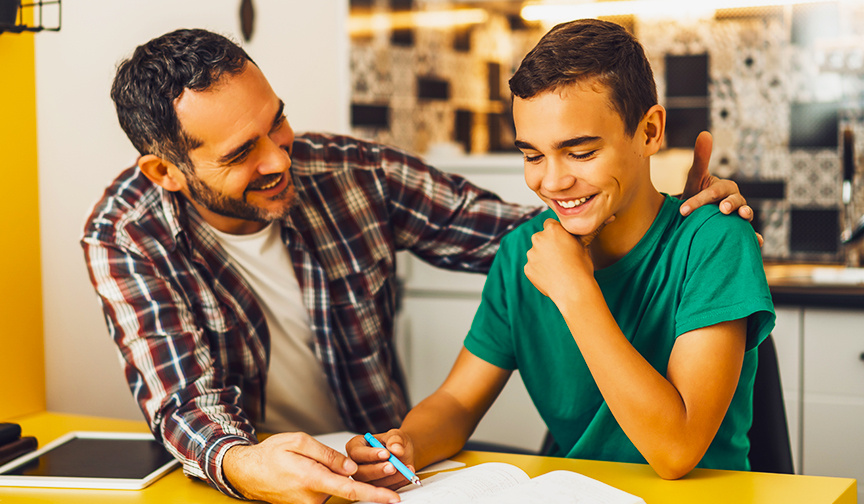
(794, 284)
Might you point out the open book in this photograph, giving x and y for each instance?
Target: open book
(499, 483)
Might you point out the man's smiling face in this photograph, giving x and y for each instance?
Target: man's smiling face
(239, 179)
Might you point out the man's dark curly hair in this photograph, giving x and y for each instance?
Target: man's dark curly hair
(586, 49)
(147, 84)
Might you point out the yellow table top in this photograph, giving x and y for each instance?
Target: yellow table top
(701, 485)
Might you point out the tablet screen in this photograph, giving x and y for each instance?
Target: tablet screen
(98, 458)
(91, 460)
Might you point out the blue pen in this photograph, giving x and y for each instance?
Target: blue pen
(402, 468)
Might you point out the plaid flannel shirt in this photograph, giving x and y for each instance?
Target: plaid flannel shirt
(192, 338)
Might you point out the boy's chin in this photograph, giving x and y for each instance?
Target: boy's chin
(579, 229)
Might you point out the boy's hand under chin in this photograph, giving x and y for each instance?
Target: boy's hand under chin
(559, 261)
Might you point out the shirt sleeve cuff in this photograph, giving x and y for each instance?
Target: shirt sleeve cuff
(213, 458)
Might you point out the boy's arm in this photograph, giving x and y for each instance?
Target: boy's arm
(670, 419)
(436, 428)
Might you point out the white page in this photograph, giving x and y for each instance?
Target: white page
(465, 485)
(562, 487)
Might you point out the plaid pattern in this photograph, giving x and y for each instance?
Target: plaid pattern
(193, 340)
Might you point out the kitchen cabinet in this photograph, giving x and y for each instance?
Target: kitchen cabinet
(833, 393)
(787, 340)
(821, 357)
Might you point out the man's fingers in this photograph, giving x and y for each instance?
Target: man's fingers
(718, 190)
(341, 486)
(698, 173)
(330, 458)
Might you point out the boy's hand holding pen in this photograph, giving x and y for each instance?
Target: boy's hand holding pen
(383, 461)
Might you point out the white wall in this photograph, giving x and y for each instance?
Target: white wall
(302, 46)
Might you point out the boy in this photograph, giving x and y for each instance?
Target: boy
(635, 330)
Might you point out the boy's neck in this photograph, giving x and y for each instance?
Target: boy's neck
(620, 236)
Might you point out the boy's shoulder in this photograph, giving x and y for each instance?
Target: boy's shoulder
(710, 217)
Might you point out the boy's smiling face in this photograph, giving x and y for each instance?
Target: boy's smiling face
(578, 156)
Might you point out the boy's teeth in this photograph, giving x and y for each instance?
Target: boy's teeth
(574, 203)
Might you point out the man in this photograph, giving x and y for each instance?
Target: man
(238, 265)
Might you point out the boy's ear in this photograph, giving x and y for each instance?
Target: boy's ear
(162, 172)
(652, 128)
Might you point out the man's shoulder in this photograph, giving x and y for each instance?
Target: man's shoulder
(314, 153)
(130, 199)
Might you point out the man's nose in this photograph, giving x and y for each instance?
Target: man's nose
(276, 160)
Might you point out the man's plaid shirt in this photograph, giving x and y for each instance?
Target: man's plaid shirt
(192, 338)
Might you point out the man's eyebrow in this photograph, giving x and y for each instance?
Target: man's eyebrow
(227, 158)
(523, 145)
(278, 117)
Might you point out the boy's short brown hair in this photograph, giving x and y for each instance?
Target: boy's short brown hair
(587, 49)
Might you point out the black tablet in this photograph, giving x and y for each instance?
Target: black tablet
(110, 460)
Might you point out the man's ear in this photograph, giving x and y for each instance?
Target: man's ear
(162, 172)
(653, 127)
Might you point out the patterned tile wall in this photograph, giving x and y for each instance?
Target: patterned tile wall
(783, 84)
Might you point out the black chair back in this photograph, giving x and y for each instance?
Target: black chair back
(770, 450)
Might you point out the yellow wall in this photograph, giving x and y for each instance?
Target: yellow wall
(22, 362)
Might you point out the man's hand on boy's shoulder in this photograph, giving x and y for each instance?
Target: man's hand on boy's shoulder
(703, 188)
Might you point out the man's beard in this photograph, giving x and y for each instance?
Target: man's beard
(235, 208)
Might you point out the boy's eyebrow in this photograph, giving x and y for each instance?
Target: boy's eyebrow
(563, 144)
(575, 141)
(227, 158)
(523, 145)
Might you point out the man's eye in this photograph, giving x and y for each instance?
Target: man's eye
(532, 159)
(240, 158)
(279, 122)
(585, 155)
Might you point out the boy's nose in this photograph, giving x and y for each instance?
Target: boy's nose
(557, 177)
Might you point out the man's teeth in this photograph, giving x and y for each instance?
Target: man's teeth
(270, 185)
(574, 203)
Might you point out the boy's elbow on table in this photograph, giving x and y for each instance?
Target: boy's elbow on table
(672, 467)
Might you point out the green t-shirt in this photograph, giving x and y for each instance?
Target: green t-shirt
(684, 274)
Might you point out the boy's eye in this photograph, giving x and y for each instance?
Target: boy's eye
(532, 159)
(584, 155)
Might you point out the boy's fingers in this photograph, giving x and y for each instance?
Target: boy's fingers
(362, 453)
(587, 239)
(374, 472)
